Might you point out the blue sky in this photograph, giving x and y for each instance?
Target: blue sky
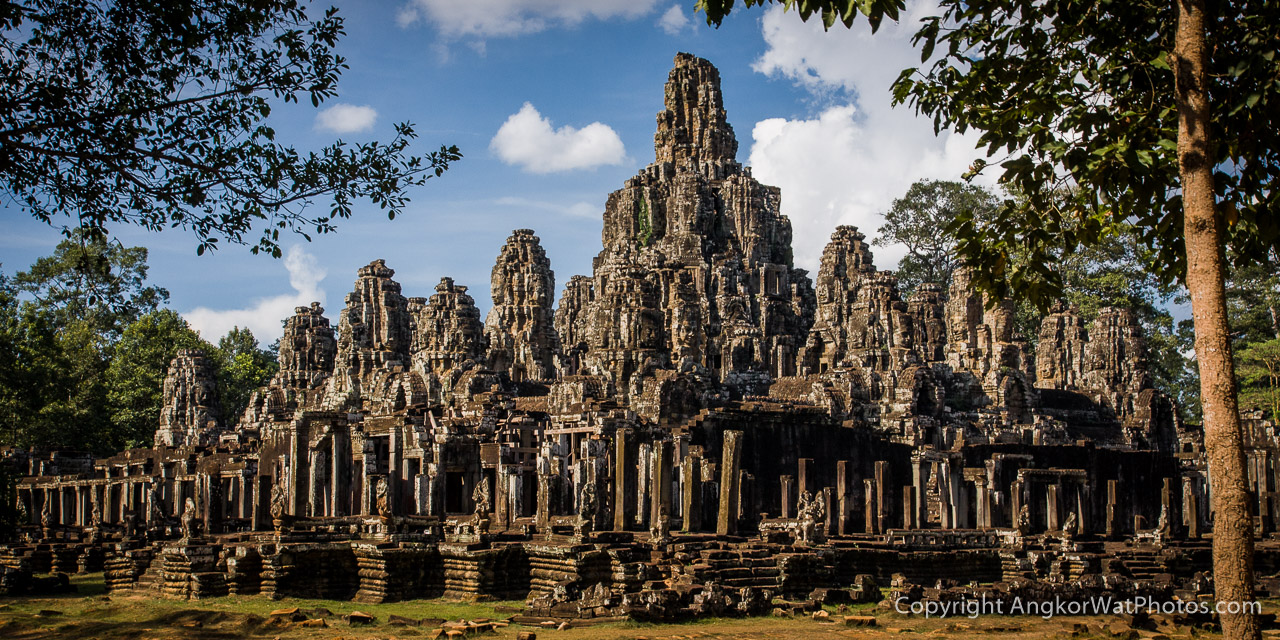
(573, 86)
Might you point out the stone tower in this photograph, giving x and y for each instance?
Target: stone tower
(447, 333)
(520, 327)
(373, 334)
(191, 414)
(696, 272)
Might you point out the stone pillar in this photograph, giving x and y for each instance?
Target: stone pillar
(1052, 508)
(788, 491)
(1190, 508)
(828, 496)
(871, 522)
(660, 480)
(1112, 516)
(844, 505)
(919, 480)
(643, 494)
(909, 511)
(804, 477)
(884, 509)
(730, 463)
(624, 480)
(1169, 504)
(691, 492)
(983, 498)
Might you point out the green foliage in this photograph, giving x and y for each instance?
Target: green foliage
(155, 114)
(644, 224)
(1253, 301)
(832, 11)
(242, 368)
(137, 371)
(1258, 370)
(915, 221)
(93, 280)
(1076, 93)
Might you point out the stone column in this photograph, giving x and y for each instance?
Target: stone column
(1190, 508)
(660, 480)
(844, 503)
(804, 477)
(884, 508)
(983, 506)
(787, 484)
(1112, 515)
(919, 479)
(643, 494)
(730, 463)
(691, 492)
(624, 480)
(909, 511)
(1052, 508)
(870, 513)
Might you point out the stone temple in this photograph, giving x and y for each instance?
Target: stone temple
(696, 427)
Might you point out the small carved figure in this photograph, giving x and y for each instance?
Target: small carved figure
(1024, 520)
(1069, 529)
(189, 519)
(810, 513)
(483, 505)
(587, 506)
(278, 506)
(155, 514)
(46, 516)
(381, 501)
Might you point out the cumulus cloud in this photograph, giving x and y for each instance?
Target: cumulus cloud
(847, 164)
(489, 18)
(346, 118)
(528, 140)
(674, 21)
(264, 317)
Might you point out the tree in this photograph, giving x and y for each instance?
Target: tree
(1260, 377)
(93, 280)
(1166, 118)
(914, 220)
(1253, 301)
(137, 372)
(155, 114)
(242, 368)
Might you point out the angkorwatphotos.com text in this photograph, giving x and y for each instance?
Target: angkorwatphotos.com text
(1096, 606)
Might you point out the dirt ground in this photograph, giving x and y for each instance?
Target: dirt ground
(90, 613)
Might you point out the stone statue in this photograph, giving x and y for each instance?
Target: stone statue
(189, 519)
(46, 516)
(95, 522)
(1024, 520)
(381, 501)
(587, 507)
(155, 514)
(810, 513)
(1069, 529)
(278, 500)
(483, 500)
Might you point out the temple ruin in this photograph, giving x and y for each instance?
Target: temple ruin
(697, 426)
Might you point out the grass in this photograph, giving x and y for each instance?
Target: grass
(91, 613)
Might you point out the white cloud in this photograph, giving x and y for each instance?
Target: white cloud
(346, 118)
(576, 210)
(487, 18)
(848, 164)
(265, 316)
(674, 21)
(527, 139)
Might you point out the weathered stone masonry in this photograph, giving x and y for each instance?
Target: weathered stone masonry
(696, 425)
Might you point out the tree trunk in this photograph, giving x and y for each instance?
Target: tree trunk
(1206, 281)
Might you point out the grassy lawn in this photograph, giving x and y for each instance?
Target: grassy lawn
(90, 613)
